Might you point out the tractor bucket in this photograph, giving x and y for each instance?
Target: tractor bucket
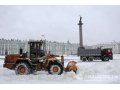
(71, 66)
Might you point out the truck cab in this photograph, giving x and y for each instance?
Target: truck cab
(108, 52)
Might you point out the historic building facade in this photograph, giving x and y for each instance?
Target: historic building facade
(114, 45)
(12, 46)
(61, 48)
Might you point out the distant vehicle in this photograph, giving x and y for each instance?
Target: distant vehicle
(95, 54)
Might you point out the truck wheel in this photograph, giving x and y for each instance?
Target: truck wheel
(90, 59)
(105, 59)
(22, 69)
(84, 58)
(55, 68)
(80, 58)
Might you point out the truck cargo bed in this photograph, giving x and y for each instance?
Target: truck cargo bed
(89, 52)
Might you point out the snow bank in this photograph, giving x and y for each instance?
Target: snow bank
(89, 72)
(2, 57)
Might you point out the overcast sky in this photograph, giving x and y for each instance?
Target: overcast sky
(59, 23)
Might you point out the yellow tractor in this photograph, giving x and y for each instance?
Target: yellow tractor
(37, 60)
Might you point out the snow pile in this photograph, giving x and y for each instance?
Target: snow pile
(89, 72)
(2, 57)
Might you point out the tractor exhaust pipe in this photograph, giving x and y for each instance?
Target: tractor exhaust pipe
(62, 60)
(20, 51)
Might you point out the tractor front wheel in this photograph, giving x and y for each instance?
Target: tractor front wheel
(55, 68)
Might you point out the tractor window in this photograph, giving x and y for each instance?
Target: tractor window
(43, 46)
(37, 49)
(35, 45)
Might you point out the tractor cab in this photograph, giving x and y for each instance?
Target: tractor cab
(36, 49)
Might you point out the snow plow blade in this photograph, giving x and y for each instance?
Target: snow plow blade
(71, 66)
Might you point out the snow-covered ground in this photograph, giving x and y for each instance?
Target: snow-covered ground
(89, 72)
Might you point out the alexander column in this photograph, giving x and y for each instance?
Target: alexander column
(80, 33)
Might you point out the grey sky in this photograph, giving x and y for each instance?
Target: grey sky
(59, 23)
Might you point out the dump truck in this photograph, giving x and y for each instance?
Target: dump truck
(95, 54)
(36, 59)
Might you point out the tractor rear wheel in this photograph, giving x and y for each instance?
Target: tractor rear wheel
(22, 69)
(55, 68)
